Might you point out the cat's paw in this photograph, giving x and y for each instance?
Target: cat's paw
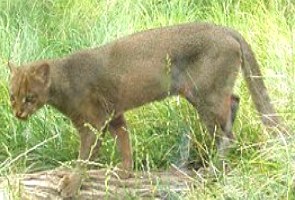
(124, 172)
(69, 185)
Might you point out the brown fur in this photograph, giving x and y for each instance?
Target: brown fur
(197, 61)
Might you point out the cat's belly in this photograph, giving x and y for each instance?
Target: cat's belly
(137, 89)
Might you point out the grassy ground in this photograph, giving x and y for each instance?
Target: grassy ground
(262, 167)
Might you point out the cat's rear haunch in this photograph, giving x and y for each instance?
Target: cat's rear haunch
(197, 61)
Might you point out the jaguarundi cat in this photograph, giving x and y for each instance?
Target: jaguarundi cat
(198, 61)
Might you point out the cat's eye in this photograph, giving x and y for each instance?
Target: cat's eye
(12, 98)
(30, 99)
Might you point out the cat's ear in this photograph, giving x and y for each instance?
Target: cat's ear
(42, 72)
(12, 67)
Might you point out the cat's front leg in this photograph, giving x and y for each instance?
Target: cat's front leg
(118, 129)
(89, 146)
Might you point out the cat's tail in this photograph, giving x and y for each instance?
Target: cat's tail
(257, 88)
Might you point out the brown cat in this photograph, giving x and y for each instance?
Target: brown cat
(197, 61)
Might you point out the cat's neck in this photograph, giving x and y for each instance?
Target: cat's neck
(56, 94)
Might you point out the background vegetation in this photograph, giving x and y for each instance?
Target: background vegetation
(262, 167)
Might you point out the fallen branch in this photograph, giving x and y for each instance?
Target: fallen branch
(99, 184)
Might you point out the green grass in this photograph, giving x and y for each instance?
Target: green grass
(262, 167)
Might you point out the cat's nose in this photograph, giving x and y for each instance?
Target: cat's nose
(20, 115)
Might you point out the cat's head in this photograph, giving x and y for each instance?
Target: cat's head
(28, 88)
